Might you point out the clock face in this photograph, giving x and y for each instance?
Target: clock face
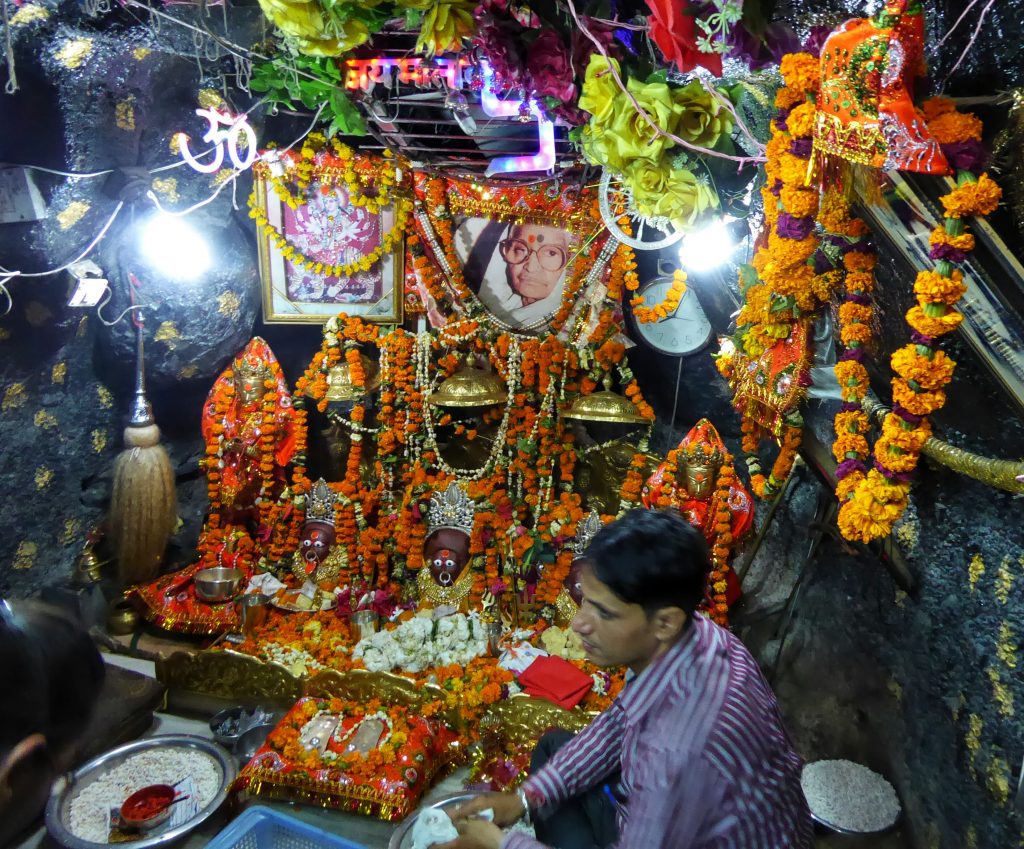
(682, 332)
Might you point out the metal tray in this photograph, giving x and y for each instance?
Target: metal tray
(58, 809)
(401, 837)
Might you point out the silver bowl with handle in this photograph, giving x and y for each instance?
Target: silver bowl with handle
(401, 837)
(217, 584)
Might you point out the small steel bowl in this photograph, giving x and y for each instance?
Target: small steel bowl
(217, 584)
(233, 718)
(251, 740)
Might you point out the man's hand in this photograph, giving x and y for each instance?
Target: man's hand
(506, 806)
(476, 834)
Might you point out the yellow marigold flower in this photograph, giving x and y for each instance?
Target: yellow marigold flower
(845, 487)
(855, 333)
(853, 421)
(851, 373)
(893, 457)
(792, 170)
(849, 444)
(860, 281)
(908, 439)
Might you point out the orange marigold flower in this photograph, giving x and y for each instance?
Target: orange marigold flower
(963, 242)
(799, 201)
(934, 288)
(855, 333)
(793, 170)
(851, 373)
(859, 261)
(800, 71)
(851, 311)
(787, 97)
(918, 403)
(953, 127)
(854, 421)
(850, 444)
(801, 120)
(980, 198)
(933, 107)
(933, 325)
(929, 374)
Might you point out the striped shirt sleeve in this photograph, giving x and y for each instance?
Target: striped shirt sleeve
(581, 763)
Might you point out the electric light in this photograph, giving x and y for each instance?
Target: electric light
(174, 248)
(708, 247)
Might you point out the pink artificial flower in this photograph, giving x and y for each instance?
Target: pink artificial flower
(498, 587)
(550, 67)
(497, 41)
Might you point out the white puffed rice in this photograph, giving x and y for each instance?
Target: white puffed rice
(849, 796)
(88, 818)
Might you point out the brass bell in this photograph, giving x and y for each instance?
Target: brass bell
(605, 406)
(339, 381)
(469, 387)
(87, 568)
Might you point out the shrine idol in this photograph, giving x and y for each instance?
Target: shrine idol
(445, 580)
(318, 558)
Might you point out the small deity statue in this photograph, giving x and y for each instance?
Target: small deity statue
(568, 602)
(317, 558)
(602, 469)
(249, 427)
(445, 579)
(687, 480)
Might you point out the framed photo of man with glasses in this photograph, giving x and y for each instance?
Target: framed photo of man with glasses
(517, 270)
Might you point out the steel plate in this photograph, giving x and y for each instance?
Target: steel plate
(58, 809)
(401, 838)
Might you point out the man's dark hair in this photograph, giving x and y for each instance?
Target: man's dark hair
(48, 660)
(654, 558)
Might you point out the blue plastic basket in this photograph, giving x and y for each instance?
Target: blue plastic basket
(262, 828)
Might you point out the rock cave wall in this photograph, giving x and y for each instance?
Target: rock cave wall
(920, 685)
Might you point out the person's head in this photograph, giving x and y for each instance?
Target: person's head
(536, 256)
(642, 579)
(53, 674)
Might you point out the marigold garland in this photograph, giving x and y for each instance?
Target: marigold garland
(875, 501)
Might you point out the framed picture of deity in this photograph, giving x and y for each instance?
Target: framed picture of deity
(525, 258)
(313, 258)
(904, 214)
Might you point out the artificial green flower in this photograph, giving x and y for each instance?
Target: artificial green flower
(661, 191)
(704, 120)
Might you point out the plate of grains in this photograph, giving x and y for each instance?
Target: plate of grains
(83, 811)
(849, 798)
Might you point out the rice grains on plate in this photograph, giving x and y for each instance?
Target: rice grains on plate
(88, 818)
(849, 797)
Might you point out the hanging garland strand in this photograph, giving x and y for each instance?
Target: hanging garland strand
(921, 370)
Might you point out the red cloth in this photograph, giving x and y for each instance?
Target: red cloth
(556, 680)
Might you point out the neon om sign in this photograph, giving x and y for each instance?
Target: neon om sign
(222, 139)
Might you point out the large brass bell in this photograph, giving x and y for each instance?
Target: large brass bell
(605, 406)
(339, 381)
(469, 386)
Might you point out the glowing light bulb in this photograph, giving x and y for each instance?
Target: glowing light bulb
(709, 247)
(174, 248)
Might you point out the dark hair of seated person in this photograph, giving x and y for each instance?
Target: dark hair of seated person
(52, 674)
(654, 558)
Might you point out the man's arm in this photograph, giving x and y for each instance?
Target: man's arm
(581, 763)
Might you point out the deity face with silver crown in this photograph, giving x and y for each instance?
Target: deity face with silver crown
(315, 545)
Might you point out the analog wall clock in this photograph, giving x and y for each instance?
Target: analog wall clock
(682, 332)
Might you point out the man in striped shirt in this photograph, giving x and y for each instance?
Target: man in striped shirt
(692, 754)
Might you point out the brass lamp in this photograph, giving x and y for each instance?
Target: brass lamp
(605, 406)
(339, 381)
(469, 386)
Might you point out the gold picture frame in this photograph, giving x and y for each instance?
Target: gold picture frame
(327, 229)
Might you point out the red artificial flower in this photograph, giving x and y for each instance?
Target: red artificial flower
(672, 27)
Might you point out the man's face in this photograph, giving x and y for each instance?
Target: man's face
(315, 545)
(446, 554)
(536, 257)
(614, 632)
